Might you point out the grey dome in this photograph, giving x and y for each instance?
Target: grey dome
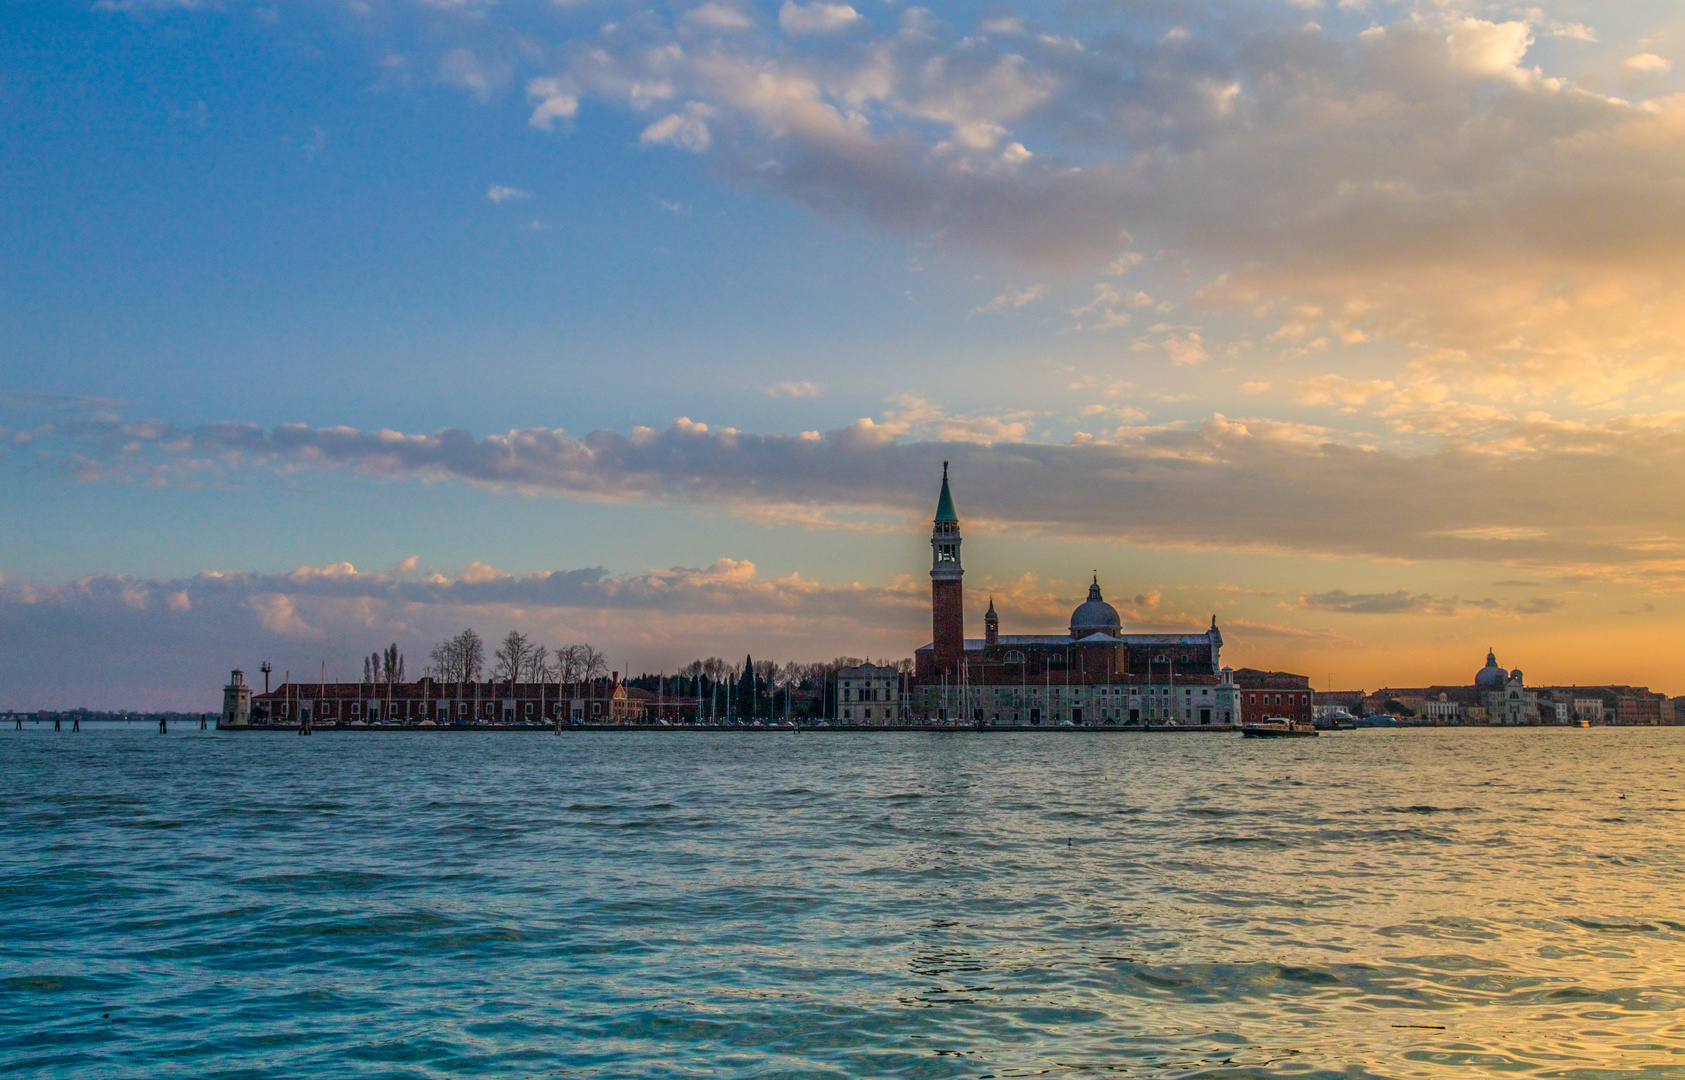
(1491, 676)
(1094, 615)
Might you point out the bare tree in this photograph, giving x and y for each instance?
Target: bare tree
(471, 655)
(567, 663)
(512, 657)
(539, 668)
(460, 658)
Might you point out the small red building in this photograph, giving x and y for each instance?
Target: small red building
(1274, 695)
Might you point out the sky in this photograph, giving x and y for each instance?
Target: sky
(1356, 324)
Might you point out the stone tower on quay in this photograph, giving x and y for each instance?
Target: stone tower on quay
(947, 585)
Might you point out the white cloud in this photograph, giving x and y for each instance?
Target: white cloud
(816, 18)
(718, 16)
(687, 129)
(1647, 64)
(482, 78)
(793, 389)
(1012, 299)
(500, 193)
(1339, 390)
(553, 103)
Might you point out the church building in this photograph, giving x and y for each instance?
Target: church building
(1093, 674)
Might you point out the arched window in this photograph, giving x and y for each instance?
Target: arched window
(1014, 657)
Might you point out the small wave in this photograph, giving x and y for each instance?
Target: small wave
(1242, 841)
(53, 984)
(1385, 835)
(1616, 927)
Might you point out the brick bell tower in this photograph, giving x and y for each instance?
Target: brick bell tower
(947, 589)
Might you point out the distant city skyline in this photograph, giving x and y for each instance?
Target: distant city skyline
(325, 326)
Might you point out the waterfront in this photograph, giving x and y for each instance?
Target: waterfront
(1376, 903)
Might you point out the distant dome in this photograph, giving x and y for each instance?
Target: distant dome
(1516, 674)
(1094, 615)
(1492, 675)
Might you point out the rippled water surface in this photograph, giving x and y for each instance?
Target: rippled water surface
(665, 904)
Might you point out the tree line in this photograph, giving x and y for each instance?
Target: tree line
(517, 658)
(521, 659)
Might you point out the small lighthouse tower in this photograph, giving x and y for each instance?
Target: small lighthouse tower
(947, 589)
(236, 701)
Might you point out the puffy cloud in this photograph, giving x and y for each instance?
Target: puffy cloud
(687, 129)
(551, 103)
(1647, 64)
(816, 18)
(1337, 389)
(1012, 299)
(718, 16)
(502, 193)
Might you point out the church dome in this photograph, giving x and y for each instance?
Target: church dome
(1094, 615)
(1491, 676)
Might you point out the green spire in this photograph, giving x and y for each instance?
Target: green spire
(945, 505)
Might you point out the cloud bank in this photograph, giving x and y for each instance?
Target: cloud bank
(1568, 497)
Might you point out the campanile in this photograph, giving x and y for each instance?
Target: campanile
(947, 589)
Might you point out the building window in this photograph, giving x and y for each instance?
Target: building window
(529, 708)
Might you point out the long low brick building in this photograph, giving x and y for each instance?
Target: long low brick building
(598, 701)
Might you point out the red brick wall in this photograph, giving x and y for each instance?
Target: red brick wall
(1262, 705)
(947, 605)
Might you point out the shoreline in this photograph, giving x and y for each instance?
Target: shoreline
(736, 729)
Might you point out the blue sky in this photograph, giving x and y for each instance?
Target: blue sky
(1407, 269)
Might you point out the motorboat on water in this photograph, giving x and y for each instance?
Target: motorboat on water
(1278, 728)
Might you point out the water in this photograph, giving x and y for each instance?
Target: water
(665, 904)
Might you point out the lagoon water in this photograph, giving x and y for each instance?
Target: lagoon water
(677, 904)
